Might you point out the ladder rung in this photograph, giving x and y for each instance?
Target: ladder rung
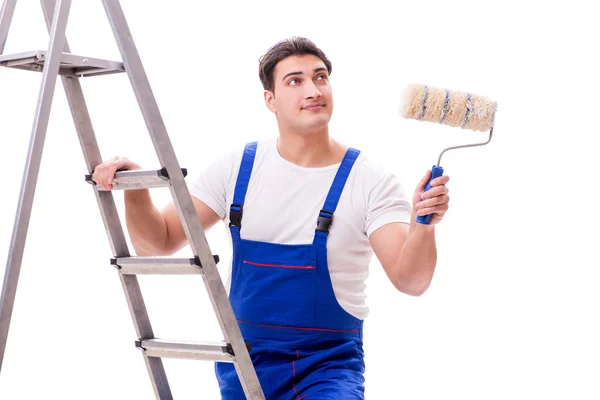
(159, 265)
(187, 350)
(138, 179)
(70, 64)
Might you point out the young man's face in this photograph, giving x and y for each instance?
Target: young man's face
(302, 98)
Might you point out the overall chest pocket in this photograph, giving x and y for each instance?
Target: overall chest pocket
(277, 284)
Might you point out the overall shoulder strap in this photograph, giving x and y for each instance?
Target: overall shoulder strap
(241, 186)
(325, 217)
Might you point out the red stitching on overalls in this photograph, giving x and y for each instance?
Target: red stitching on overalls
(294, 369)
(279, 265)
(297, 327)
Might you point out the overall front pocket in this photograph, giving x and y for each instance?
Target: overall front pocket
(278, 286)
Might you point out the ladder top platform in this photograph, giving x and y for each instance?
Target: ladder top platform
(70, 65)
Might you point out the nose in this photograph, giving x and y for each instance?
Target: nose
(311, 91)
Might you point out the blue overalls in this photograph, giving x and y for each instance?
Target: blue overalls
(304, 344)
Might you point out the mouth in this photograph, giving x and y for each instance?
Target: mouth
(314, 107)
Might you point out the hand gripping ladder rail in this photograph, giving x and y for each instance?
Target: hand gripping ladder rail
(57, 60)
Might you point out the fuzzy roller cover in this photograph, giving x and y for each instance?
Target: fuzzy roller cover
(452, 108)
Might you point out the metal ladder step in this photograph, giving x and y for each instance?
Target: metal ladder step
(159, 265)
(187, 350)
(138, 179)
(70, 64)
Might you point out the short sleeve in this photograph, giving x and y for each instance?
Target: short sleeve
(210, 185)
(387, 202)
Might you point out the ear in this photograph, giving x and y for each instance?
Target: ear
(270, 101)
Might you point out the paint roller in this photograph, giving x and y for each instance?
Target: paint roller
(452, 108)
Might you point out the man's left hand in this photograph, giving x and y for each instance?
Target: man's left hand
(435, 200)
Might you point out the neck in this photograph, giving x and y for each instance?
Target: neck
(312, 150)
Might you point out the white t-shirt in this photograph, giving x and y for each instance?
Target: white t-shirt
(283, 201)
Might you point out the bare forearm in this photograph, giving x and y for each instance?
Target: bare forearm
(145, 224)
(417, 259)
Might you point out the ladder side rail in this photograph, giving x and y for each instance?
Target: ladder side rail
(6, 15)
(31, 170)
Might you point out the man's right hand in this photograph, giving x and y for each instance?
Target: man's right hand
(153, 232)
(104, 173)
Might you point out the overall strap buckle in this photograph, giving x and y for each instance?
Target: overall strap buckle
(324, 221)
(235, 215)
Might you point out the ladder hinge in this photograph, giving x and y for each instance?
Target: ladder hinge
(163, 172)
(229, 348)
(198, 263)
(113, 261)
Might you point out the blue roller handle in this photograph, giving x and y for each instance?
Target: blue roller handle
(435, 173)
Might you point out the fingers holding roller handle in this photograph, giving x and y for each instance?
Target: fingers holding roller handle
(436, 172)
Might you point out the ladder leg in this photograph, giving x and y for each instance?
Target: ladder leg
(6, 14)
(32, 166)
(110, 218)
(182, 199)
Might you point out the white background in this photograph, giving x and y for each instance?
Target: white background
(513, 308)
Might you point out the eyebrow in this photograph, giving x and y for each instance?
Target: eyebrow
(300, 73)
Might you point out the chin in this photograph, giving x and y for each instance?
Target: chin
(318, 121)
(315, 127)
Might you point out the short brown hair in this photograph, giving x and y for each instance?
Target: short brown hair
(283, 49)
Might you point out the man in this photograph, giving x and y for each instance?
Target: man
(305, 214)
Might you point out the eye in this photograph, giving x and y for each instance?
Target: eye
(291, 82)
(322, 76)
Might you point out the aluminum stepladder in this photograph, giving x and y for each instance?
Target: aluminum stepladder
(58, 61)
